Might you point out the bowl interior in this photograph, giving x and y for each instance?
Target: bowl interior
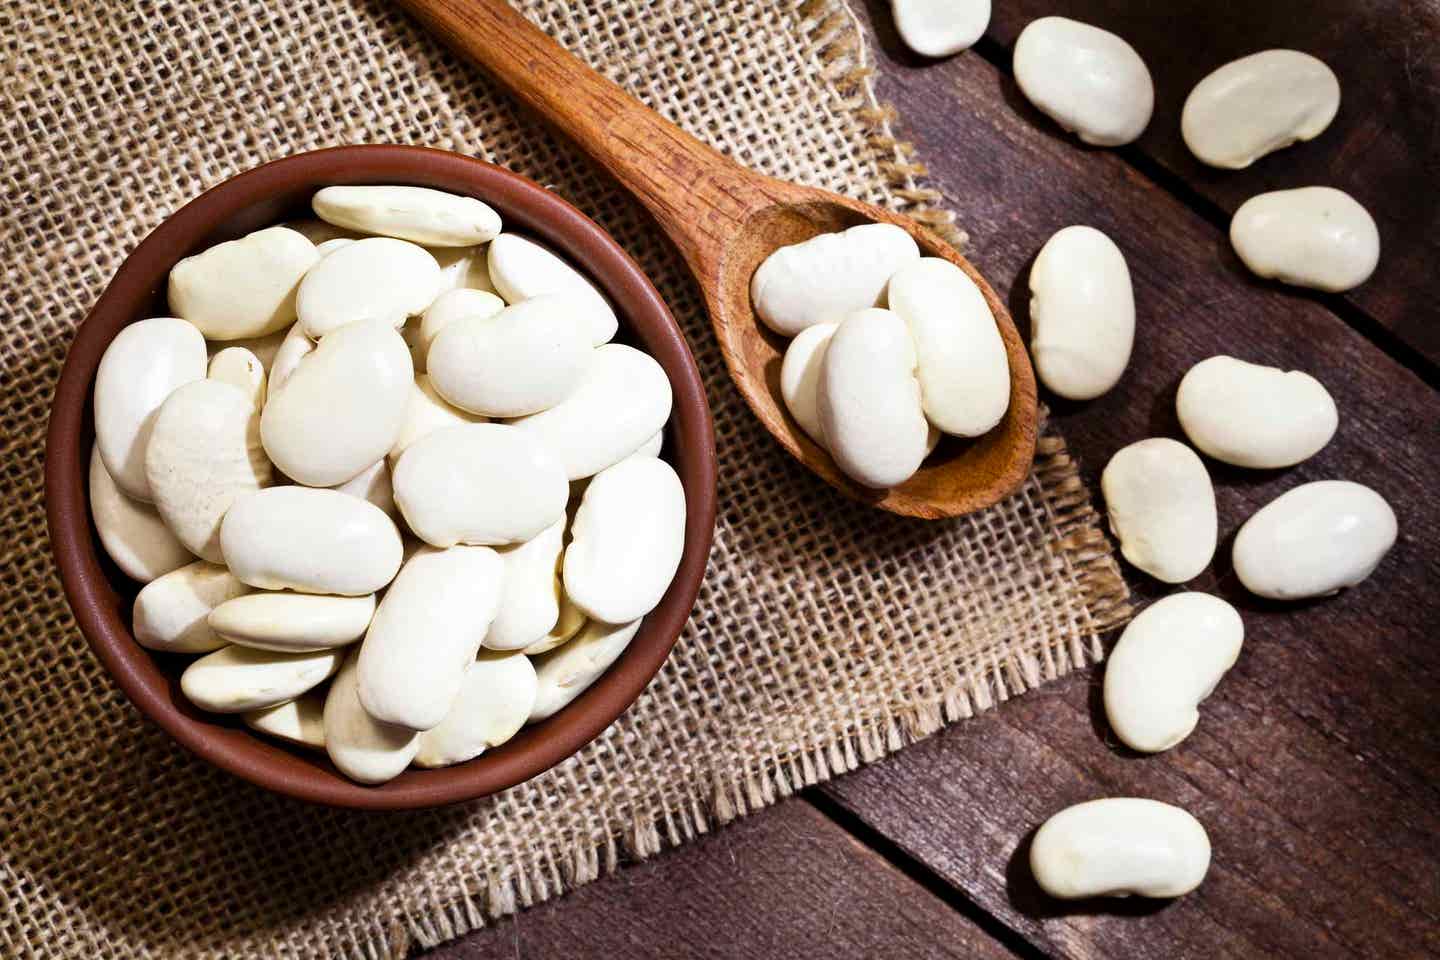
(101, 596)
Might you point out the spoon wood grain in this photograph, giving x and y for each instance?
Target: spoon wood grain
(725, 220)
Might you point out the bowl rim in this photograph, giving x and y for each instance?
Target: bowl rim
(95, 602)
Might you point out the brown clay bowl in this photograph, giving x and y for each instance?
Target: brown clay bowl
(101, 597)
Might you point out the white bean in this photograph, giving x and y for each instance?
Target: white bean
(245, 287)
(530, 602)
(343, 408)
(565, 673)
(828, 276)
(427, 628)
(310, 541)
(237, 679)
(131, 531)
(939, 28)
(418, 214)
(463, 268)
(1167, 661)
(480, 483)
(567, 625)
(1314, 540)
(620, 403)
(373, 485)
(627, 540)
(1258, 104)
(294, 348)
(1120, 846)
(522, 269)
(495, 699)
(1088, 80)
(651, 447)
(869, 399)
(1162, 507)
(141, 367)
(330, 246)
(318, 231)
(800, 387)
(300, 721)
(800, 377)
(522, 360)
(1316, 237)
(1255, 416)
(204, 454)
(377, 278)
(963, 370)
(426, 413)
(451, 306)
(361, 747)
(240, 368)
(264, 348)
(171, 613)
(292, 622)
(1082, 313)
(410, 333)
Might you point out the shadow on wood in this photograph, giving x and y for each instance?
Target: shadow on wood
(1027, 897)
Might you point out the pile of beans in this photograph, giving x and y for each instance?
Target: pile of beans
(862, 399)
(890, 349)
(415, 466)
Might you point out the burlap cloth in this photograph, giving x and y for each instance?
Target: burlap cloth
(826, 634)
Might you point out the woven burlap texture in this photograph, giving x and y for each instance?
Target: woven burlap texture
(825, 634)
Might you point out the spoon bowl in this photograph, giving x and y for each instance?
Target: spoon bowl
(963, 474)
(725, 220)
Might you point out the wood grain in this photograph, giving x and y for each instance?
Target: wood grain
(1383, 147)
(1315, 765)
(725, 220)
(786, 883)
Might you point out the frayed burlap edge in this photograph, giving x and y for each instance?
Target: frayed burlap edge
(839, 44)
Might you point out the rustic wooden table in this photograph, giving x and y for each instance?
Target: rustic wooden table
(1316, 767)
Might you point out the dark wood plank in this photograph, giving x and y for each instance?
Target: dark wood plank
(1316, 763)
(1383, 147)
(786, 882)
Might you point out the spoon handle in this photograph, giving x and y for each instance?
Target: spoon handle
(697, 194)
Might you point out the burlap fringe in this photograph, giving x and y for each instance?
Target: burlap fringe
(838, 42)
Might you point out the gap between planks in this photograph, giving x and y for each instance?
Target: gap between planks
(889, 851)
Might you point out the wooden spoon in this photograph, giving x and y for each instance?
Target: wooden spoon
(725, 220)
